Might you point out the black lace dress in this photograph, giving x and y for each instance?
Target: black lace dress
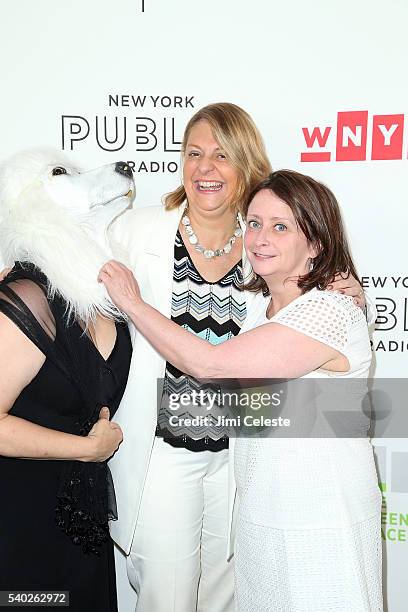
(53, 514)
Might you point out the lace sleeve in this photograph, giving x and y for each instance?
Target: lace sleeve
(25, 303)
(323, 315)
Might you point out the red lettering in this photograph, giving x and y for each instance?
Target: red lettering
(310, 139)
(351, 140)
(388, 131)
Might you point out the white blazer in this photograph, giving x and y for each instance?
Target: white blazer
(144, 240)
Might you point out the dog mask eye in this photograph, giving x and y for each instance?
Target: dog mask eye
(58, 170)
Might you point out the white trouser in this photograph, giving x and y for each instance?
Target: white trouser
(178, 560)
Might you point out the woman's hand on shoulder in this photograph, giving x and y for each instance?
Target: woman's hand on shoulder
(121, 286)
(348, 285)
(103, 439)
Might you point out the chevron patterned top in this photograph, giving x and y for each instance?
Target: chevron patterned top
(214, 312)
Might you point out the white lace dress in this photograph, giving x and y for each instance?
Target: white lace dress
(308, 528)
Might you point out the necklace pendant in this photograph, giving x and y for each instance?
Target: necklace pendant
(209, 253)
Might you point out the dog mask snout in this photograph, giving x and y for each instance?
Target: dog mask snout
(123, 168)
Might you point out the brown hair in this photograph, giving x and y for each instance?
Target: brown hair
(317, 215)
(238, 135)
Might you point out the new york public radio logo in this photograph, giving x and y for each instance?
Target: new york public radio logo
(391, 325)
(351, 138)
(144, 134)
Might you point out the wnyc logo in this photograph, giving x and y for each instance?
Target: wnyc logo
(351, 138)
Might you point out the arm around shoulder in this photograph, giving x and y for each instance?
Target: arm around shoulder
(371, 310)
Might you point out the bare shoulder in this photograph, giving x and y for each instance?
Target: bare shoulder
(27, 290)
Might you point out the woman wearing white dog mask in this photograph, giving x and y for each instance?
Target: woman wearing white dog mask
(63, 370)
(188, 258)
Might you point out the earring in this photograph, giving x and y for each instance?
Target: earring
(311, 265)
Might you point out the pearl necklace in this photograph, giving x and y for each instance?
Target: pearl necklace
(209, 253)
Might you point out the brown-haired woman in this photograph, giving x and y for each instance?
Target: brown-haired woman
(172, 484)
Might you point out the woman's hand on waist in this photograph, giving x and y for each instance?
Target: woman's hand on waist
(103, 440)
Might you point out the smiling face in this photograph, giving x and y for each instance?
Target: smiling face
(275, 245)
(210, 180)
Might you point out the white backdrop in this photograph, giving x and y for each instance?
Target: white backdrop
(69, 68)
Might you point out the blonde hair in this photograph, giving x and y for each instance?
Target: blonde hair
(237, 134)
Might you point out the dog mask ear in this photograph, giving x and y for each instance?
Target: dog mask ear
(19, 172)
(26, 223)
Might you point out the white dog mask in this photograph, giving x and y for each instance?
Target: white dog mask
(56, 217)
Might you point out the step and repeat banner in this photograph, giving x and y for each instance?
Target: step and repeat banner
(324, 81)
